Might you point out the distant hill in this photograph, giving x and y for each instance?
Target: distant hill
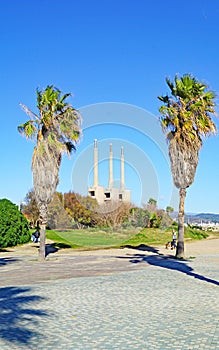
(208, 217)
(198, 218)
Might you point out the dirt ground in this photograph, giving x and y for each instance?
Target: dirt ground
(20, 265)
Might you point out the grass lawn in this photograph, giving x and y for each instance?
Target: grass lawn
(89, 238)
(97, 238)
(153, 236)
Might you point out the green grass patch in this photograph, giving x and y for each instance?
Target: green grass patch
(153, 236)
(108, 238)
(150, 236)
(89, 239)
(194, 233)
(59, 241)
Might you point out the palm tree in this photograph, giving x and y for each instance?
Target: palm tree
(186, 119)
(56, 129)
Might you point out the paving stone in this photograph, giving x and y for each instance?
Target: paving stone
(161, 305)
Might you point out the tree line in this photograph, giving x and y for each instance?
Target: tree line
(72, 210)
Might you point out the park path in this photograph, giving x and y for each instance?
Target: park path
(19, 265)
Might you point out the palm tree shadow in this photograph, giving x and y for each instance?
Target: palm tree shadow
(144, 247)
(51, 249)
(7, 260)
(54, 247)
(164, 261)
(168, 262)
(18, 320)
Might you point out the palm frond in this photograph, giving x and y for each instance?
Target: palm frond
(63, 98)
(28, 129)
(171, 85)
(164, 99)
(186, 119)
(70, 147)
(31, 114)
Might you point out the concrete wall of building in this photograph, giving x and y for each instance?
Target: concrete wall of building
(97, 193)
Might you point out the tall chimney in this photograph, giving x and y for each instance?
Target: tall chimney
(122, 171)
(95, 164)
(111, 167)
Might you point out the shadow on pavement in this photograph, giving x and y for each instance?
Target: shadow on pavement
(6, 261)
(144, 247)
(17, 320)
(167, 262)
(52, 248)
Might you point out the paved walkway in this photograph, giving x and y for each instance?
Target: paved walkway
(116, 299)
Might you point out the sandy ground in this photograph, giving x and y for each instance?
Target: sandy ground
(20, 265)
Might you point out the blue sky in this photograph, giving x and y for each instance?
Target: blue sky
(113, 56)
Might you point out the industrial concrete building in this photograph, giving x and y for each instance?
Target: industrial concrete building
(102, 194)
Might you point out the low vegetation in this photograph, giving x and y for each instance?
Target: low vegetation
(162, 236)
(97, 238)
(14, 227)
(124, 227)
(72, 210)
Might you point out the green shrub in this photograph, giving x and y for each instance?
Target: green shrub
(14, 228)
(194, 233)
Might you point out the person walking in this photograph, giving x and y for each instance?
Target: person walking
(173, 243)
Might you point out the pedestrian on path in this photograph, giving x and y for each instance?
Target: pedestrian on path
(173, 243)
(36, 236)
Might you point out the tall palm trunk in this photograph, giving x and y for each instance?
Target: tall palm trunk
(43, 209)
(184, 161)
(45, 167)
(180, 243)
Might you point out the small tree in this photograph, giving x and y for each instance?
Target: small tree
(114, 213)
(14, 227)
(169, 209)
(154, 220)
(139, 217)
(83, 210)
(151, 205)
(58, 218)
(166, 220)
(30, 208)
